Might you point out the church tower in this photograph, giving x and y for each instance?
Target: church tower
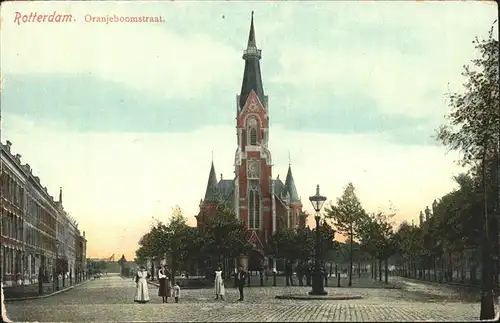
(253, 164)
(264, 205)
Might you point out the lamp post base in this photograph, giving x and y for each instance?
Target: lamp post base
(317, 287)
(318, 293)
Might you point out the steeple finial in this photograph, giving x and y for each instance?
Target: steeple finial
(212, 156)
(251, 35)
(289, 159)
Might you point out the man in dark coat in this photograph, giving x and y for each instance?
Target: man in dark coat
(300, 273)
(289, 273)
(241, 278)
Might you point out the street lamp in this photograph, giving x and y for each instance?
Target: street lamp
(56, 275)
(317, 282)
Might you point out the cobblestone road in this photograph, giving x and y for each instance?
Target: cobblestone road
(111, 299)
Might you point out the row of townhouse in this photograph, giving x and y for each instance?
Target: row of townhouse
(39, 239)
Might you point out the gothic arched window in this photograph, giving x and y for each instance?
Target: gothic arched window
(252, 131)
(254, 205)
(253, 136)
(289, 214)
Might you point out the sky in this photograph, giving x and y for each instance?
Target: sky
(125, 117)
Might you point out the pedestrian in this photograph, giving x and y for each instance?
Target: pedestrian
(219, 284)
(289, 273)
(162, 279)
(242, 277)
(300, 273)
(141, 293)
(177, 292)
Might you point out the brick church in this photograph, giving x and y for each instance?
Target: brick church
(262, 203)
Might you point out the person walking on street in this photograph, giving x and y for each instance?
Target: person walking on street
(219, 284)
(176, 292)
(241, 277)
(163, 289)
(289, 273)
(141, 293)
(300, 273)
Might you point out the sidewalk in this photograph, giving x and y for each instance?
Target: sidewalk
(442, 290)
(466, 284)
(27, 292)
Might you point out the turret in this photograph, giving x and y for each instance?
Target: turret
(290, 186)
(210, 192)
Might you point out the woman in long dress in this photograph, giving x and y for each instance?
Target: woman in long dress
(141, 293)
(165, 287)
(219, 284)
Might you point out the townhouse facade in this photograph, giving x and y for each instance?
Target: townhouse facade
(39, 239)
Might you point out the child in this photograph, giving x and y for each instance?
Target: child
(176, 292)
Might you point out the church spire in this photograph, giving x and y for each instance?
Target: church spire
(211, 184)
(290, 186)
(252, 79)
(251, 36)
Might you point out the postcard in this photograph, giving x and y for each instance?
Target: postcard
(249, 161)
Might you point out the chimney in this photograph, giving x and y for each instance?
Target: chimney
(60, 195)
(221, 178)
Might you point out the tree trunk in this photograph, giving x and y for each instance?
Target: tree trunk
(380, 269)
(450, 267)
(434, 267)
(462, 267)
(174, 269)
(350, 257)
(386, 263)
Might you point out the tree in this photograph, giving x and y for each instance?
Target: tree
(377, 231)
(348, 216)
(327, 233)
(408, 240)
(283, 244)
(224, 235)
(473, 128)
(153, 244)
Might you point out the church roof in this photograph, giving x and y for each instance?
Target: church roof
(210, 192)
(224, 189)
(252, 78)
(290, 186)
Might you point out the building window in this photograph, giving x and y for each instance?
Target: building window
(253, 136)
(254, 205)
(289, 215)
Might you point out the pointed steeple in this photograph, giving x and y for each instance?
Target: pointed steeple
(252, 79)
(251, 36)
(290, 186)
(211, 185)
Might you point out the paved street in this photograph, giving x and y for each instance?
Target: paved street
(111, 299)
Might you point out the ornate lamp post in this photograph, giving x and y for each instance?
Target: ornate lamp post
(317, 281)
